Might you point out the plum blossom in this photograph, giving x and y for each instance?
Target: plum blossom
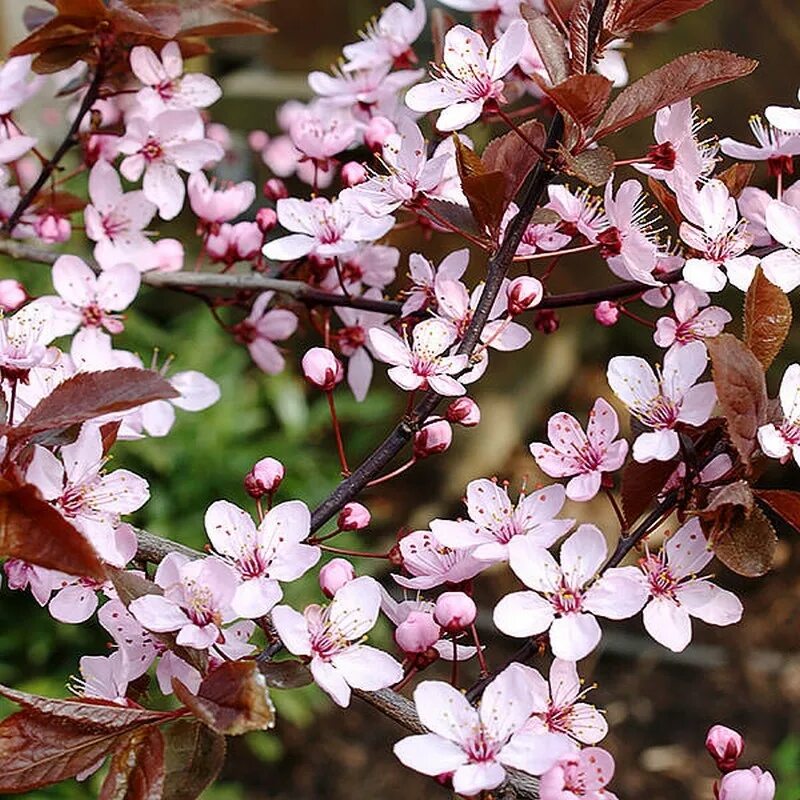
(676, 594)
(24, 337)
(579, 776)
(725, 746)
(196, 392)
(747, 784)
(774, 146)
(494, 522)
(783, 223)
(691, 323)
(231, 243)
(565, 599)
(783, 441)
(579, 211)
(783, 118)
(373, 265)
(18, 83)
(475, 745)
(159, 147)
(421, 365)
(196, 600)
(215, 205)
(319, 134)
(262, 328)
(470, 77)
(332, 637)
(263, 555)
(662, 402)
(104, 678)
(583, 457)
(430, 563)
(423, 276)
(324, 228)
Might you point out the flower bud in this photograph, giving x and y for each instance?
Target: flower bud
(275, 189)
(322, 369)
(257, 140)
(334, 575)
(264, 478)
(353, 173)
(724, 746)
(546, 321)
(12, 295)
(455, 611)
(417, 633)
(606, 313)
(53, 228)
(747, 784)
(266, 219)
(463, 411)
(433, 439)
(377, 131)
(523, 293)
(353, 517)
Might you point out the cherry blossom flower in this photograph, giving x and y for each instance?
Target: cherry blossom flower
(320, 134)
(215, 205)
(18, 83)
(783, 118)
(719, 237)
(24, 337)
(774, 146)
(159, 147)
(747, 784)
(494, 522)
(725, 746)
(475, 745)
(586, 456)
(579, 776)
(324, 228)
(373, 265)
(676, 594)
(104, 678)
(421, 365)
(331, 637)
(232, 243)
(196, 601)
(783, 442)
(21, 575)
(430, 563)
(423, 276)
(566, 598)
(580, 212)
(470, 76)
(662, 402)
(196, 392)
(75, 599)
(539, 238)
(165, 84)
(387, 41)
(691, 323)
(261, 555)
(753, 204)
(90, 300)
(262, 328)
(783, 222)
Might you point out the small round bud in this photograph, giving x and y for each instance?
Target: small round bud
(463, 411)
(53, 228)
(275, 189)
(524, 293)
(725, 746)
(257, 140)
(12, 295)
(433, 439)
(353, 517)
(322, 369)
(334, 575)
(747, 784)
(266, 219)
(606, 313)
(546, 321)
(417, 633)
(455, 611)
(377, 131)
(353, 173)
(264, 478)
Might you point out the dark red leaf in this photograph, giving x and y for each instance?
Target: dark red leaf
(580, 57)
(136, 771)
(582, 97)
(666, 199)
(737, 178)
(193, 757)
(549, 43)
(593, 166)
(767, 319)
(513, 157)
(746, 544)
(784, 503)
(641, 485)
(624, 17)
(485, 191)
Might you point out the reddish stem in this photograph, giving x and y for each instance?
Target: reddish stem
(338, 433)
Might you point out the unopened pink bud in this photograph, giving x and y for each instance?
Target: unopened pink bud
(546, 321)
(264, 478)
(417, 633)
(353, 173)
(353, 517)
(12, 295)
(464, 411)
(334, 575)
(725, 746)
(257, 140)
(53, 228)
(455, 611)
(266, 219)
(433, 439)
(377, 131)
(606, 313)
(747, 784)
(275, 189)
(524, 293)
(322, 369)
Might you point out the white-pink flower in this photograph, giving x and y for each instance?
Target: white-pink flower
(263, 555)
(783, 118)
(24, 337)
(690, 323)
(579, 211)
(783, 223)
(566, 598)
(470, 76)
(423, 277)
(320, 133)
(262, 328)
(662, 402)
(586, 456)
(474, 746)
(215, 205)
(773, 146)
(332, 638)
(196, 392)
(430, 563)
(783, 441)
(748, 784)
(579, 776)
(676, 594)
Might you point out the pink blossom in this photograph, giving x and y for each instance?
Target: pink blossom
(783, 441)
(753, 204)
(430, 563)
(218, 205)
(12, 295)
(523, 293)
(417, 633)
(18, 83)
(773, 146)
(266, 219)
(747, 784)
(566, 598)
(372, 265)
(232, 243)
(783, 118)
(663, 401)
(421, 365)
(159, 147)
(320, 134)
(24, 337)
(196, 601)
(353, 517)
(104, 678)
(691, 324)
(261, 555)
(52, 227)
(586, 456)
(432, 439)
(262, 328)
(168, 256)
(423, 276)
(377, 131)
(538, 237)
(470, 76)
(475, 745)
(579, 776)
(607, 313)
(677, 595)
(353, 173)
(494, 522)
(725, 746)
(264, 478)
(464, 411)
(196, 392)
(455, 611)
(335, 574)
(579, 211)
(331, 637)
(783, 223)
(138, 646)
(322, 369)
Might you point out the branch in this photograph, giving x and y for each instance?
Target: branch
(154, 548)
